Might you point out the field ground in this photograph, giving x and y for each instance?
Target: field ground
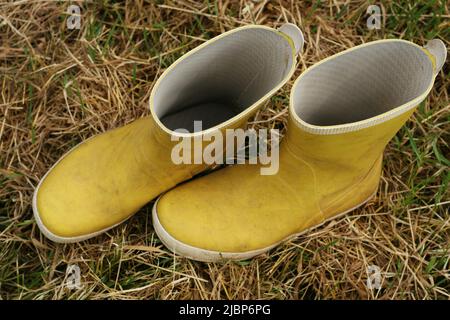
(59, 87)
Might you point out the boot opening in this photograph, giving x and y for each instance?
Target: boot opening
(222, 79)
(362, 83)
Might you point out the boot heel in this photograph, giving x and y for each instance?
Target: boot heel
(354, 196)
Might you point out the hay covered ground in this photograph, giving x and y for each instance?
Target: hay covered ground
(59, 87)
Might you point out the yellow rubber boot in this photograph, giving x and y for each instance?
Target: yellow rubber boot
(343, 112)
(105, 179)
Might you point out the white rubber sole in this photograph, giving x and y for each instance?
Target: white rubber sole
(50, 235)
(204, 255)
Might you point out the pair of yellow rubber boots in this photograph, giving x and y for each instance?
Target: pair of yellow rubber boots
(342, 113)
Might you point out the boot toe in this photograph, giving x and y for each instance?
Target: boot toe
(68, 210)
(223, 215)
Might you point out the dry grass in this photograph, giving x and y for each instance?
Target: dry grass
(59, 87)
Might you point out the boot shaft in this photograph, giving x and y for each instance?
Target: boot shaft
(348, 107)
(345, 110)
(221, 84)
